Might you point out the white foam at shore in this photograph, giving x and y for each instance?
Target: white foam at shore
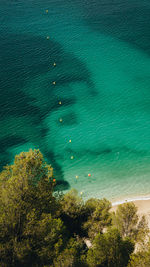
(130, 200)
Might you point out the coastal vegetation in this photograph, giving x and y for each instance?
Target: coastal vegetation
(41, 227)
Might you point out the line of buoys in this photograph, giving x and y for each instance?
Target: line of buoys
(54, 83)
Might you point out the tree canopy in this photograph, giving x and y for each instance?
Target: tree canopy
(129, 224)
(41, 229)
(26, 209)
(109, 249)
(99, 216)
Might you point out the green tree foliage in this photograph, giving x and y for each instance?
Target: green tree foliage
(129, 224)
(40, 243)
(72, 204)
(141, 258)
(73, 255)
(99, 216)
(72, 211)
(26, 207)
(142, 233)
(38, 228)
(109, 250)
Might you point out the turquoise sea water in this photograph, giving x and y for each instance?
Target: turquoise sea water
(102, 74)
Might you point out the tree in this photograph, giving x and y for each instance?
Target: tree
(110, 250)
(38, 228)
(73, 255)
(141, 258)
(142, 233)
(99, 216)
(72, 211)
(128, 222)
(46, 237)
(26, 202)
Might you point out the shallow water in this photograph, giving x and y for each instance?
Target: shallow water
(102, 75)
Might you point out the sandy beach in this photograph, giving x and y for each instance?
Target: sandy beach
(143, 208)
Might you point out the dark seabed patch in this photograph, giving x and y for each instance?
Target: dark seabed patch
(24, 58)
(125, 20)
(8, 142)
(101, 77)
(61, 185)
(58, 173)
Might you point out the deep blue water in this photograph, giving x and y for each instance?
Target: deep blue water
(102, 78)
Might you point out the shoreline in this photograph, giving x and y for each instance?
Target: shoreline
(142, 204)
(134, 199)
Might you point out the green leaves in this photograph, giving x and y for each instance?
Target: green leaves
(73, 212)
(38, 228)
(126, 219)
(27, 211)
(72, 255)
(109, 249)
(129, 223)
(141, 259)
(99, 216)
(72, 204)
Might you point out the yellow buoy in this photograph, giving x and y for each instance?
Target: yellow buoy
(60, 120)
(81, 193)
(72, 157)
(47, 37)
(46, 10)
(59, 102)
(54, 64)
(54, 83)
(77, 176)
(70, 141)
